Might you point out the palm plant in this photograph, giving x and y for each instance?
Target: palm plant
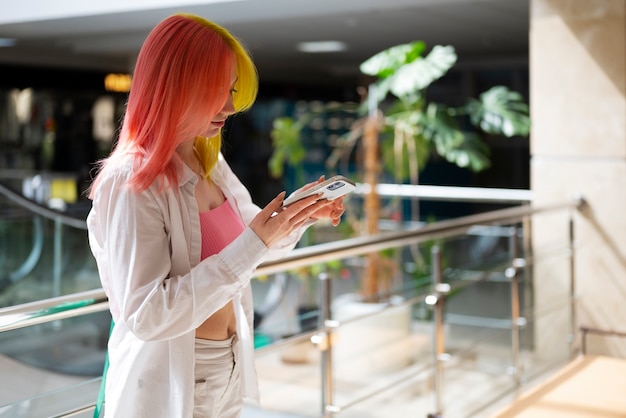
(399, 129)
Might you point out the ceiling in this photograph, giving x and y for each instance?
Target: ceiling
(90, 35)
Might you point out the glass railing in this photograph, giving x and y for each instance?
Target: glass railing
(451, 331)
(455, 336)
(54, 313)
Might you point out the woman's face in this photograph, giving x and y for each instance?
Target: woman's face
(228, 109)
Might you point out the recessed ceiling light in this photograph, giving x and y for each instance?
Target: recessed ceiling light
(322, 46)
(7, 42)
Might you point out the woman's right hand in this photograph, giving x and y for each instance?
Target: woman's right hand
(274, 222)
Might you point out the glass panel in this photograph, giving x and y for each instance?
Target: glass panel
(289, 380)
(478, 371)
(56, 403)
(39, 257)
(47, 362)
(383, 352)
(383, 355)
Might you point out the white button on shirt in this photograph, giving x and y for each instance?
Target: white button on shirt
(147, 247)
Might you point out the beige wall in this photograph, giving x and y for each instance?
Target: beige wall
(578, 146)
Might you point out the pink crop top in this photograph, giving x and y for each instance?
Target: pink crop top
(219, 227)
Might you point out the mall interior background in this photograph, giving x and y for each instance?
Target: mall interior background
(64, 97)
(566, 57)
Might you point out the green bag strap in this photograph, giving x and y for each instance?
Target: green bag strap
(100, 401)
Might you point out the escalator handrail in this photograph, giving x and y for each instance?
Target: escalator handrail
(40, 209)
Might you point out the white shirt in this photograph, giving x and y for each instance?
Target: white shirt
(147, 247)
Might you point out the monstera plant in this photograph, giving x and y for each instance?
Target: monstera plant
(399, 129)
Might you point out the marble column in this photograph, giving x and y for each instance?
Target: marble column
(578, 147)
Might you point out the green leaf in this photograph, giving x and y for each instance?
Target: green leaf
(472, 153)
(387, 62)
(276, 164)
(382, 89)
(288, 147)
(500, 111)
(441, 128)
(422, 72)
(403, 72)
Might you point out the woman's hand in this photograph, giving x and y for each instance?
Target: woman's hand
(332, 209)
(274, 222)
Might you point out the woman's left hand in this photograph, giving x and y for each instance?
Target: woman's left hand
(333, 209)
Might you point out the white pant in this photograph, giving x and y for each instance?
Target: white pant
(218, 382)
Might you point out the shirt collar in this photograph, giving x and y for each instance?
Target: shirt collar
(187, 175)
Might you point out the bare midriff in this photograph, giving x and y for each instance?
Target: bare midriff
(222, 324)
(219, 326)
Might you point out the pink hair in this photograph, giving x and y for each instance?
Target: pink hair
(181, 80)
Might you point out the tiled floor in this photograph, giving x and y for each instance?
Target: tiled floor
(587, 387)
(471, 390)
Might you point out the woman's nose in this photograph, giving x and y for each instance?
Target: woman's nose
(229, 107)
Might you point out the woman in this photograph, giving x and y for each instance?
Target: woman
(176, 236)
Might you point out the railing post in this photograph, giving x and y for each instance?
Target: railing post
(57, 264)
(325, 342)
(572, 284)
(57, 258)
(438, 302)
(517, 321)
(583, 340)
(527, 289)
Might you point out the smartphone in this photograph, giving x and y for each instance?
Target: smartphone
(331, 189)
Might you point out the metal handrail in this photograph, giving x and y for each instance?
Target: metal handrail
(52, 309)
(597, 331)
(42, 210)
(362, 245)
(46, 310)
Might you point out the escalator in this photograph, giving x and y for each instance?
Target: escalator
(44, 253)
